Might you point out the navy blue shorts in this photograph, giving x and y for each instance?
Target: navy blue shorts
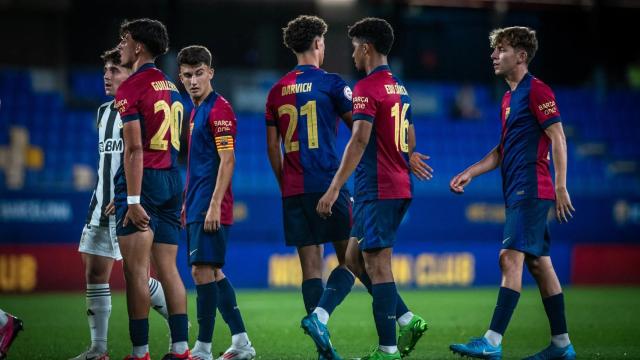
(376, 222)
(161, 198)
(526, 227)
(303, 226)
(207, 247)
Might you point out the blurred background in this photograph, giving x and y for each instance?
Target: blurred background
(51, 85)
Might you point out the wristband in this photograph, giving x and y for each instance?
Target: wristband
(132, 200)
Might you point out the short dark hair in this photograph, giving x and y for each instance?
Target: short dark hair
(151, 33)
(194, 55)
(375, 31)
(111, 55)
(300, 32)
(519, 37)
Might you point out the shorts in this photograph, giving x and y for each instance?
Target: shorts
(207, 247)
(100, 240)
(161, 198)
(376, 222)
(303, 226)
(526, 227)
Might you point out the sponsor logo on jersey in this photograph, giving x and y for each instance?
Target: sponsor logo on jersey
(110, 146)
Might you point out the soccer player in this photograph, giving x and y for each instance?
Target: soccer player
(10, 326)
(148, 190)
(99, 244)
(381, 144)
(209, 204)
(530, 123)
(302, 113)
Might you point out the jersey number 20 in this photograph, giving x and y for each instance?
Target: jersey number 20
(172, 122)
(308, 110)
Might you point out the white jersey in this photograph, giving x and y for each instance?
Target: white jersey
(110, 148)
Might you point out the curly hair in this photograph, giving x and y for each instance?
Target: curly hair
(375, 31)
(111, 55)
(300, 32)
(194, 55)
(519, 37)
(151, 33)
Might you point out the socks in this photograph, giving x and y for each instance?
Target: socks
(405, 319)
(385, 296)
(401, 307)
(388, 349)
(202, 347)
(206, 308)
(507, 301)
(311, 292)
(338, 287)
(3, 318)
(493, 338)
(322, 314)
(157, 298)
(240, 339)
(98, 299)
(140, 351)
(554, 307)
(179, 326)
(139, 334)
(228, 307)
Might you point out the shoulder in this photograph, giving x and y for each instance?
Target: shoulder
(105, 105)
(222, 109)
(539, 87)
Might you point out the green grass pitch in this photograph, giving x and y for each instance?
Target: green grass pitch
(604, 323)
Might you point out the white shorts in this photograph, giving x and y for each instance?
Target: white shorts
(101, 241)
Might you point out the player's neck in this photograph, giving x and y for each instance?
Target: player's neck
(514, 77)
(308, 58)
(140, 61)
(374, 61)
(205, 94)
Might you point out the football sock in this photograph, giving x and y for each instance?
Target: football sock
(157, 298)
(204, 347)
(311, 292)
(322, 314)
(228, 307)
(401, 307)
(207, 298)
(240, 339)
(3, 318)
(507, 301)
(338, 286)
(98, 300)
(405, 319)
(554, 307)
(385, 296)
(493, 337)
(179, 326)
(139, 334)
(388, 349)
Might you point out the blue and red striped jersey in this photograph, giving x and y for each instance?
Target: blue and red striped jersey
(212, 130)
(526, 112)
(147, 95)
(305, 105)
(383, 171)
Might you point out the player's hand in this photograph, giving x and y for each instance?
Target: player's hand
(563, 205)
(212, 220)
(110, 209)
(459, 181)
(420, 168)
(326, 202)
(183, 217)
(138, 216)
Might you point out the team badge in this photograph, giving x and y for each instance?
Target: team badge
(347, 92)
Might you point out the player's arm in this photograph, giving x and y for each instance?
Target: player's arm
(274, 152)
(559, 153)
(488, 163)
(347, 118)
(225, 173)
(352, 155)
(416, 160)
(133, 167)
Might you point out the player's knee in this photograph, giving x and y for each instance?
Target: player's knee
(202, 274)
(96, 276)
(509, 264)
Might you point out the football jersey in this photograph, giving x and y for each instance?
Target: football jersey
(147, 95)
(525, 113)
(212, 130)
(305, 105)
(383, 171)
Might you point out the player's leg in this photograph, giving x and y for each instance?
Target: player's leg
(136, 250)
(241, 347)
(10, 326)
(158, 302)
(206, 300)
(164, 256)
(541, 268)
(311, 262)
